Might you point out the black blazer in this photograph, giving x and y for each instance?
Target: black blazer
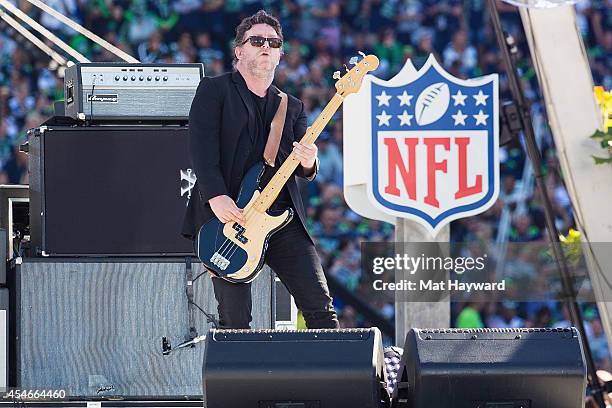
(221, 114)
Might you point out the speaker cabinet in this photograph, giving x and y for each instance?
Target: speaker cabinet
(109, 190)
(288, 368)
(491, 368)
(94, 328)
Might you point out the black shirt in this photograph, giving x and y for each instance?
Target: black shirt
(259, 136)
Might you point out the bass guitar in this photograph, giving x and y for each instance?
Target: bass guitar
(236, 252)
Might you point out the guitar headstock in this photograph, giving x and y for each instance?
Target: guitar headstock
(351, 81)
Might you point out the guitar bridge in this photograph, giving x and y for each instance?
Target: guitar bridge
(219, 261)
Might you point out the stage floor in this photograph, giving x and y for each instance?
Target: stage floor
(104, 404)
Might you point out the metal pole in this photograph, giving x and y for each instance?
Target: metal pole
(507, 45)
(43, 31)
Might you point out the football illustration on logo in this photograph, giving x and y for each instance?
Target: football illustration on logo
(432, 103)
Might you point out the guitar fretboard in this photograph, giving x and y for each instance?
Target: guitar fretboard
(272, 190)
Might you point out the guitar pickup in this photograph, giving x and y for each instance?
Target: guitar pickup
(240, 230)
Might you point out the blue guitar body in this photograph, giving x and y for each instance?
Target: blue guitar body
(236, 252)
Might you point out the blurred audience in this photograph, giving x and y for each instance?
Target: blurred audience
(320, 37)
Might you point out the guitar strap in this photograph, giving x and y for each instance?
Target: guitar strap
(276, 131)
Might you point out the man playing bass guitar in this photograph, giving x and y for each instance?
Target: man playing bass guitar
(229, 124)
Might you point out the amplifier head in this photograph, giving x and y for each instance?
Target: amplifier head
(130, 92)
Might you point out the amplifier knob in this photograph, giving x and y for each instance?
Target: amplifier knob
(141, 78)
(157, 78)
(149, 78)
(133, 78)
(165, 78)
(125, 78)
(117, 78)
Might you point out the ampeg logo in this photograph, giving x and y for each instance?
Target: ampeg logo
(104, 98)
(188, 179)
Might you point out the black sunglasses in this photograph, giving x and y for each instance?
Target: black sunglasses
(258, 41)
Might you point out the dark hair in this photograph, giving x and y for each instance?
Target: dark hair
(261, 17)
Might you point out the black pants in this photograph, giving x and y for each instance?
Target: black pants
(294, 259)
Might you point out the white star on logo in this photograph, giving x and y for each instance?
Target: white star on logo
(404, 99)
(481, 118)
(481, 98)
(459, 98)
(405, 118)
(459, 118)
(383, 118)
(383, 99)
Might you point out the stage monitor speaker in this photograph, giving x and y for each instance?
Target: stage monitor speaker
(95, 327)
(294, 369)
(491, 368)
(109, 191)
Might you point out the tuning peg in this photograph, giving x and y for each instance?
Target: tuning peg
(353, 61)
(345, 67)
(336, 75)
(361, 53)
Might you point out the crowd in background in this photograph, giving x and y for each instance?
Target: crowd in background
(321, 36)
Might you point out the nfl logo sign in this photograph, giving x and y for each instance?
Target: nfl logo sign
(434, 146)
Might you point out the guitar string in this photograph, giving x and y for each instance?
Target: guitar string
(217, 235)
(231, 249)
(316, 128)
(250, 217)
(232, 246)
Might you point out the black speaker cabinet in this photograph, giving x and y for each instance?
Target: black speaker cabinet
(94, 327)
(491, 368)
(105, 190)
(294, 369)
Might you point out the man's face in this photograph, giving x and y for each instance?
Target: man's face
(259, 61)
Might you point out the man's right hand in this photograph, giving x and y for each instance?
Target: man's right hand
(225, 209)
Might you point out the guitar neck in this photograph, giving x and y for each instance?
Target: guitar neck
(272, 190)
